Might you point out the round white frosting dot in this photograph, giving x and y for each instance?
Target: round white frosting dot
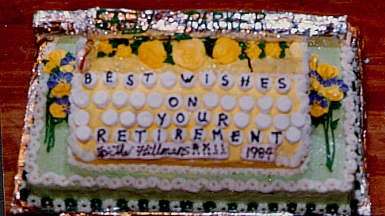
(110, 117)
(101, 98)
(178, 134)
(130, 80)
(127, 118)
(263, 121)
(265, 103)
(202, 117)
(137, 99)
(149, 79)
(275, 137)
(181, 118)
(197, 133)
(282, 85)
(83, 133)
(210, 100)
(246, 103)
(235, 137)
(168, 79)
(81, 99)
(159, 135)
(110, 79)
(81, 118)
(284, 104)
(191, 102)
(90, 80)
(297, 120)
(226, 81)
(154, 100)
(293, 135)
(245, 82)
(119, 98)
(281, 121)
(121, 135)
(173, 101)
(241, 120)
(263, 83)
(163, 119)
(145, 119)
(228, 102)
(207, 79)
(187, 79)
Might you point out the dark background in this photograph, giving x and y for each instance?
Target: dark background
(17, 50)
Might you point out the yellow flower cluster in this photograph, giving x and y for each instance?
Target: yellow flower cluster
(122, 51)
(226, 50)
(53, 60)
(271, 49)
(152, 53)
(189, 54)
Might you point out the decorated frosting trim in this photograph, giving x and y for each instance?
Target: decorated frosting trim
(85, 205)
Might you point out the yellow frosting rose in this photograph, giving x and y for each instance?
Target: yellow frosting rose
(273, 49)
(189, 54)
(57, 110)
(105, 47)
(253, 51)
(152, 53)
(123, 51)
(61, 89)
(226, 50)
(332, 93)
(316, 110)
(53, 60)
(327, 71)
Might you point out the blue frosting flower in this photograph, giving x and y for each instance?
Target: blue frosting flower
(60, 84)
(60, 108)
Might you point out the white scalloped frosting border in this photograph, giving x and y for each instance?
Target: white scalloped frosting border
(305, 185)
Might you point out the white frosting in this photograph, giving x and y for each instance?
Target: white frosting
(207, 79)
(145, 119)
(181, 118)
(284, 104)
(226, 81)
(137, 100)
(202, 117)
(101, 135)
(81, 99)
(163, 119)
(119, 98)
(110, 79)
(187, 79)
(245, 82)
(281, 122)
(235, 137)
(293, 135)
(222, 120)
(246, 103)
(275, 138)
(263, 83)
(101, 98)
(197, 134)
(241, 120)
(159, 135)
(297, 120)
(130, 80)
(263, 121)
(81, 118)
(192, 102)
(140, 135)
(211, 100)
(110, 117)
(178, 134)
(173, 101)
(127, 119)
(121, 135)
(154, 100)
(83, 133)
(168, 79)
(265, 103)
(228, 102)
(255, 136)
(282, 85)
(217, 134)
(90, 80)
(149, 79)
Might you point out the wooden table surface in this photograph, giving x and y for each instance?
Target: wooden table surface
(18, 49)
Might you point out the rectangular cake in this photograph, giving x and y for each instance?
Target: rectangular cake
(162, 111)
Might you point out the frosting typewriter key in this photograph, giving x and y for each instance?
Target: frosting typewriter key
(90, 80)
(110, 79)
